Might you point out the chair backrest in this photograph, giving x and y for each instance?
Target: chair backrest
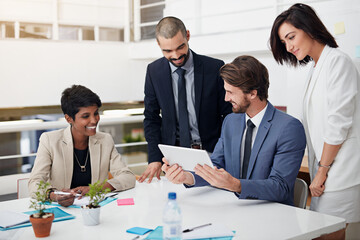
(300, 193)
(22, 188)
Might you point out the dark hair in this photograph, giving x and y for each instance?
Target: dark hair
(168, 27)
(78, 96)
(303, 17)
(248, 74)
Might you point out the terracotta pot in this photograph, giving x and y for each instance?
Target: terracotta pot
(42, 226)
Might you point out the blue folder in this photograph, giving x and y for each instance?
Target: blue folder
(102, 203)
(59, 215)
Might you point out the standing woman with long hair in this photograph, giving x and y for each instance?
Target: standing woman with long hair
(331, 111)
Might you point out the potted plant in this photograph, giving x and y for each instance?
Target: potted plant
(91, 212)
(41, 220)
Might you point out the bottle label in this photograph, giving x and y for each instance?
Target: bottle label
(172, 231)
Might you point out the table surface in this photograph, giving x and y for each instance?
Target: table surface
(251, 219)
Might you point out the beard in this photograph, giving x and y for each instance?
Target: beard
(241, 108)
(185, 56)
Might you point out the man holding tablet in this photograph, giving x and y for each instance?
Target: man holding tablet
(260, 150)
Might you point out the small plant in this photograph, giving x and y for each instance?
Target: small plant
(130, 139)
(40, 200)
(97, 193)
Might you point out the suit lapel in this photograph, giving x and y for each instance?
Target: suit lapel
(165, 80)
(262, 132)
(94, 148)
(198, 82)
(236, 151)
(68, 156)
(315, 74)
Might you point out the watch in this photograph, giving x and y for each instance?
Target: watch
(48, 192)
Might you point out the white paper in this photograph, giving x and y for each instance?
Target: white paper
(85, 200)
(9, 218)
(212, 231)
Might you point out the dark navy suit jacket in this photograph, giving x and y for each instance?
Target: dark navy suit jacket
(275, 156)
(160, 112)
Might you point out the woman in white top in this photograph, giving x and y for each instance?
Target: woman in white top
(331, 110)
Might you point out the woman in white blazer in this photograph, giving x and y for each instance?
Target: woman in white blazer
(72, 158)
(331, 110)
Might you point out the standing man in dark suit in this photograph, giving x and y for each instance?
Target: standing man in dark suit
(184, 96)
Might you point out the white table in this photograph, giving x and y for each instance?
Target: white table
(251, 219)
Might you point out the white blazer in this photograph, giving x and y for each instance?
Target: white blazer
(54, 161)
(331, 109)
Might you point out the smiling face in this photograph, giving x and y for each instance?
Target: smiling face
(296, 41)
(85, 122)
(175, 49)
(240, 101)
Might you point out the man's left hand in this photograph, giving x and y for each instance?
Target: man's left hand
(218, 178)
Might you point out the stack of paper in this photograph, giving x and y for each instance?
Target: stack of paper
(59, 215)
(212, 231)
(10, 219)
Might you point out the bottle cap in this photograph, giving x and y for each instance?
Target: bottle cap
(172, 195)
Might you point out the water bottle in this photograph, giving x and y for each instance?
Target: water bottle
(172, 229)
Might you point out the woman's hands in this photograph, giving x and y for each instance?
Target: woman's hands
(63, 199)
(317, 186)
(66, 200)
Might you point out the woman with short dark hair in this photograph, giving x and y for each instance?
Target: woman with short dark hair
(72, 158)
(331, 111)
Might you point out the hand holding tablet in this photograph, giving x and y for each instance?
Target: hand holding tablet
(187, 158)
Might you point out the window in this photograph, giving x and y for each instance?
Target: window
(111, 34)
(7, 30)
(68, 33)
(150, 12)
(37, 31)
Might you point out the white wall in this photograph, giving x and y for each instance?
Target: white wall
(33, 73)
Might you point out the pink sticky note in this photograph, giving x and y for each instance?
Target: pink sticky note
(125, 201)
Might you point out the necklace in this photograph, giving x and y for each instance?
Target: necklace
(83, 168)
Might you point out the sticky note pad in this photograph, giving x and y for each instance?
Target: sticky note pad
(125, 201)
(339, 28)
(138, 230)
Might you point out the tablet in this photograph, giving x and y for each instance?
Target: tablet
(187, 158)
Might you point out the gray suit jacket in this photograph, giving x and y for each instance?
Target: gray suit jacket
(54, 161)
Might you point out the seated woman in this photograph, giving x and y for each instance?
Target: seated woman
(72, 158)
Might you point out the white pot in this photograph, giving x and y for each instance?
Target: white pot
(91, 216)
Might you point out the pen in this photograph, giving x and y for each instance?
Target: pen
(191, 229)
(66, 193)
(135, 238)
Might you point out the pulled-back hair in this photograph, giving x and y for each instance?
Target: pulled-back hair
(248, 74)
(168, 27)
(303, 17)
(78, 96)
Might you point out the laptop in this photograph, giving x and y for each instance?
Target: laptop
(187, 158)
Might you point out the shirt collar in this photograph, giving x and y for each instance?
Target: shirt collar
(188, 65)
(256, 120)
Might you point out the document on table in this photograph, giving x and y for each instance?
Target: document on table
(215, 231)
(59, 215)
(211, 231)
(10, 218)
(85, 200)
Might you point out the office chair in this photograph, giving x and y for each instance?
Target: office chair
(300, 193)
(22, 188)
